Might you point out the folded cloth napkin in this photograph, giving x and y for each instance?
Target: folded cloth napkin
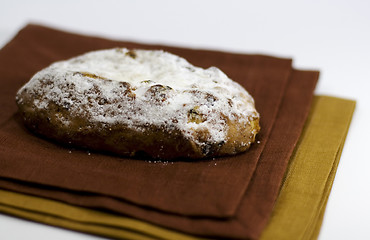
(301, 204)
(327, 123)
(186, 188)
(102, 181)
(257, 203)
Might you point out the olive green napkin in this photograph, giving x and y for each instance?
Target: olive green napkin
(82, 219)
(298, 211)
(301, 204)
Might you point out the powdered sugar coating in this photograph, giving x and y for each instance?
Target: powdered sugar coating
(144, 87)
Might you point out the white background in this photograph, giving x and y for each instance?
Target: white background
(330, 36)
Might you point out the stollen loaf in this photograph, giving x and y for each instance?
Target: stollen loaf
(135, 102)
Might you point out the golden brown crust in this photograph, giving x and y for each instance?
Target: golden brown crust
(158, 142)
(69, 119)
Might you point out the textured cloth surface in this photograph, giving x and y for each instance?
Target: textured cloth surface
(336, 113)
(208, 198)
(82, 219)
(301, 204)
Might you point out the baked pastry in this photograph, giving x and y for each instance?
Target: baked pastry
(139, 102)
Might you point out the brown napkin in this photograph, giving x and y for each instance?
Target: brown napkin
(258, 201)
(212, 188)
(297, 213)
(187, 188)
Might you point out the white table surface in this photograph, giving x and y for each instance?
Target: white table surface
(330, 36)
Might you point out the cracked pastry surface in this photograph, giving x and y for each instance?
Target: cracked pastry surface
(139, 102)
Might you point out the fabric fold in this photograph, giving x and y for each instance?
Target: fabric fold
(82, 219)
